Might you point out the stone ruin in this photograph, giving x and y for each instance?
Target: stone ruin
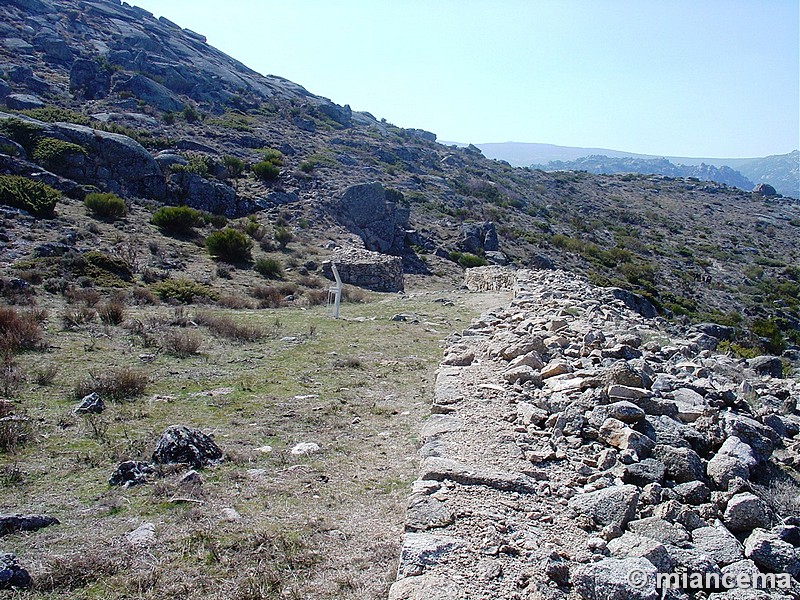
(573, 442)
(370, 270)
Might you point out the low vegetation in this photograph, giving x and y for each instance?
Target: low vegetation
(20, 192)
(105, 206)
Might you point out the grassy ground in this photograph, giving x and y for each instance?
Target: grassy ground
(325, 525)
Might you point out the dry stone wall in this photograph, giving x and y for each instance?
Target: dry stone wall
(573, 442)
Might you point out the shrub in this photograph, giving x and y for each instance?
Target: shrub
(283, 236)
(771, 336)
(54, 154)
(183, 290)
(11, 376)
(234, 167)
(235, 302)
(112, 313)
(229, 245)
(225, 326)
(46, 375)
(55, 114)
(23, 193)
(467, 260)
(116, 384)
(105, 206)
(104, 269)
(269, 268)
(15, 428)
(198, 164)
(272, 155)
(143, 295)
(22, 132)
(75, 317)
(265, 170)
(182, 343)
(19, 330)
(177, 219)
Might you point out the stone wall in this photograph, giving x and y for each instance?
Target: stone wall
(490, 278)
(370, 270)
(573, 442)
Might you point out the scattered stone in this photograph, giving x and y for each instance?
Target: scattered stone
(734, 459)
(766, 365)
(91, 404)
(230, 515)
(144, 535)
(609, 579)
(745, 512)
(615, 433)
(630, 545)
(682, 464)
(610, 506)
(770, 552)
(305, 448)
(179, 444)
(718, 543)
(692, 492)
(12, 575)
(422, 550)
(131, 472)
(13, 523)
(660, 530)
(644, 472)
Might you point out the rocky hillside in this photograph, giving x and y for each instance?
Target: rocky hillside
(578, 450)
(102, 96)
(657, 166)
(781, 171)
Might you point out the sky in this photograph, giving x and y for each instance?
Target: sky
(693, 78)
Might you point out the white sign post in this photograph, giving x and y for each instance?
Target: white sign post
(336, 291)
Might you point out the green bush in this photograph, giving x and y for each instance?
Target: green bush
(269, 268)
(266, 170)
(22, 132)
(283, 236)
(199, 164)
(20, 192)
(103, 269)
(183, 290)
(229, 245)
(233, 166)
(105, 206)
(53, 153)
(54, 114)
(272, 155)
(177, 219)
(771, 336)
(467, 260)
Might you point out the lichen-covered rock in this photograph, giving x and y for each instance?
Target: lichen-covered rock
(89, 80)
(215, 197)
(614, 505)
(179, 444)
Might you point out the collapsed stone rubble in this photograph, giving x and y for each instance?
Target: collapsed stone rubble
(573, 442)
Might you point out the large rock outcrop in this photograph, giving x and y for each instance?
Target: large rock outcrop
(375, 214)
(573, 441)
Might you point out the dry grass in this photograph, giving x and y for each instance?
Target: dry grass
(15, 428)
(182, 343)
(20, 329)
(116, 384)
(112, 313)
(228, 328)
(76, 317)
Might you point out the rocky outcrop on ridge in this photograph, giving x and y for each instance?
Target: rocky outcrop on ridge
(573, 441)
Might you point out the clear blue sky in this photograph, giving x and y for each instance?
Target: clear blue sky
(710, 78)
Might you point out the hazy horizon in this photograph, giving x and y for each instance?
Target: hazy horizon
(713, 79)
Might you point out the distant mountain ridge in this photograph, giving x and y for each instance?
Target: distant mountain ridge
(782, 171)
(600, 164)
